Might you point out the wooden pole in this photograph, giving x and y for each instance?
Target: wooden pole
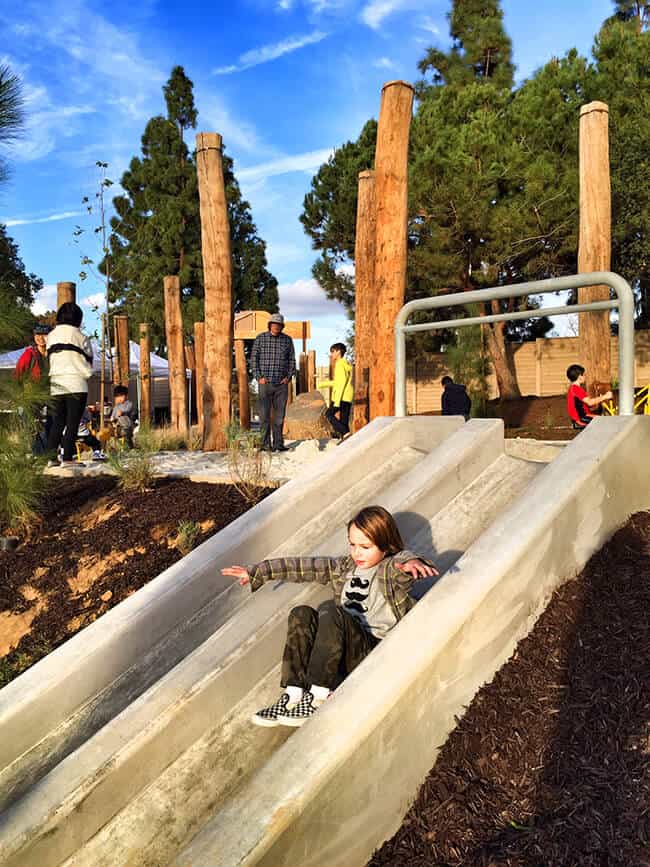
(65, 292)
(594, 252)
(199, 352)
(122, 368)
(311, 370)
(242, 385)
(302, 373)
(175, 354)
(145, 374)
(391, 196)
(365, 323)
(217, 280)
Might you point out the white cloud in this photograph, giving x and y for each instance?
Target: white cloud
(426, 23)
(266, 53)
(285, 5)
(307, 162)
(384, 63)
(51, 218)
(44, 300)
(376, 11)
(347, 269)
(236, 133)
(97, 299)
(304, 299)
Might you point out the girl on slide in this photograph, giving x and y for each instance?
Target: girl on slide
(371, 594)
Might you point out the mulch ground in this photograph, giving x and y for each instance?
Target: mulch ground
(550, 764)
(96, 546)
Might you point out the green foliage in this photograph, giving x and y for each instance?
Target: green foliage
(157, 231)
(17, 290)
(12, 115)
(187, 535)
(134, 468)
(329, 213)
(22, 483)
(622, 55)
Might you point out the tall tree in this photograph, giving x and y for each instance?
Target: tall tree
(622, 55)
(157, 230)
(329, 214)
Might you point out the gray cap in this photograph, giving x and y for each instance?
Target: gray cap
(277, 319)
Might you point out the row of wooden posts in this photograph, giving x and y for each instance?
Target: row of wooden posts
(380, 273)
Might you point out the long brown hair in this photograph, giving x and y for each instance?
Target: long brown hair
(380, 527)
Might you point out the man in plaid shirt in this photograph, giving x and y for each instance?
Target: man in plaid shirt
(273, 362)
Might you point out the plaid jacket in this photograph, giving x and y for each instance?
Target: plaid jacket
(273, 357)
(393, 583)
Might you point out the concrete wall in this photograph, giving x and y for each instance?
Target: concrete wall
(341, 784)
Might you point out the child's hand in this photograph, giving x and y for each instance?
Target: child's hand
(237, 572)
(608, 395)
(417, 569)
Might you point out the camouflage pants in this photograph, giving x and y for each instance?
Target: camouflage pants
(323, 646)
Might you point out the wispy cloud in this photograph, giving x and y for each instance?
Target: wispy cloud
(27, 221)
(306, 162)
(426, 23)
(94, 301)
(285, 5)
(266, 53)
(376, 11)
(383, 63)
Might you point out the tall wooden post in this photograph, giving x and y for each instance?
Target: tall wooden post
(199, 359)
(145, 374)
(122, 367)
(217, 280)
(364, 299)
(242, 385)
(391, 196)
(175, 354)
(65, 292)
(303, 378)
(311, 370)
(594, 252)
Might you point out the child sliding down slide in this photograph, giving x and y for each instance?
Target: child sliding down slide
(371, 594)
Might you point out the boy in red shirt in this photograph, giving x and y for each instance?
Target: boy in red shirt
(578, 401)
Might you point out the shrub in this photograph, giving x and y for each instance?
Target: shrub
(134, 469)
(248, 465)
(187, 536)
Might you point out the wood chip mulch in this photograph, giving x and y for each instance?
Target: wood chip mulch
(550, 764)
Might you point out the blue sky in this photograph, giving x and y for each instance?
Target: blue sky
(284, 82)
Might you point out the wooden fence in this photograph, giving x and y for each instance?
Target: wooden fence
(540, 366)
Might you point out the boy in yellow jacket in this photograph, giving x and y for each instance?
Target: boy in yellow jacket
(338, 414)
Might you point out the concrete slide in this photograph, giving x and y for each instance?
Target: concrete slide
(131, 744)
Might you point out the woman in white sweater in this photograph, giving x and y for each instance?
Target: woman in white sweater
(71, 357)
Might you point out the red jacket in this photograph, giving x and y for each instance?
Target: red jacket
(31, 362)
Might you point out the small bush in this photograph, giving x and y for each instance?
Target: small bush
(249, 466)
(187, 536)
(22, 483)
(134, 469)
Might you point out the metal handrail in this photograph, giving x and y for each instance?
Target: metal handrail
(624, 302)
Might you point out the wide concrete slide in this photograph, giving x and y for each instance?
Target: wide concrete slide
(79, 719)
(341, 785)
(443, 496)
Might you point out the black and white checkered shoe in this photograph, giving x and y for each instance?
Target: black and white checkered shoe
(269, 716)
(300, 712)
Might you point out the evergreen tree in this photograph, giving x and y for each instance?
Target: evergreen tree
(622, 54)
(12, 117)
(330, 213)
(17, 290)
(157, 230)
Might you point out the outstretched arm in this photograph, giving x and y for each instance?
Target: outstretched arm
(296, 569)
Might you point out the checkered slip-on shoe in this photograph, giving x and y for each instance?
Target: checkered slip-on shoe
(269, 716)
(300, 712)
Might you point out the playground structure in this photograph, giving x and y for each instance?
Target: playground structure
(131, 743)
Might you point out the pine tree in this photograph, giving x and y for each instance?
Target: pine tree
(329, 214)
(157, 231)
(622, 54)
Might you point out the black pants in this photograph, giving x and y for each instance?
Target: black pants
(323, 646)
(67, 410)
(272, 399)
(341, 426)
